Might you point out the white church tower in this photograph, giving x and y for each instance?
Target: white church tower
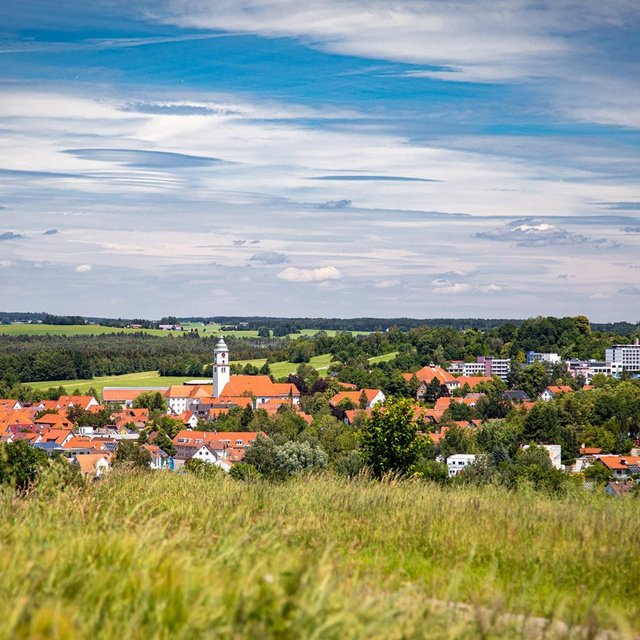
(221, 369)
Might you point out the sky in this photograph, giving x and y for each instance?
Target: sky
(421, 158)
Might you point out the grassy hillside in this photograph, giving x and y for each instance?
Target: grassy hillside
(173, 556)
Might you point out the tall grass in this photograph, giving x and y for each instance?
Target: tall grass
(170, 556)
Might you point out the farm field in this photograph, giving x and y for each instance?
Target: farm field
(69, 330)
(154, 555)
(92, 329)
(153, 378)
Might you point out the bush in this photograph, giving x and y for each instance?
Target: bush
(203, 469)
(244, 471)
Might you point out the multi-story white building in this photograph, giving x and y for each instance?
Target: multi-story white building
(626, 356)
(546, 358)
(484, 366)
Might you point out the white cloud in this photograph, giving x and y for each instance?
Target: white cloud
(387, 284)
(600, 296)
(4, 264)
(293, 274)
(450, 288)
(83, 268)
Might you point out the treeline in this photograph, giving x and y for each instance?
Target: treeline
(28, 358)
(35, 358)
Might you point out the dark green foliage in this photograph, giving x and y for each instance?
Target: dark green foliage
(245, 472)
(151, 400)
(132, 454)
(390, 440)
(21, 464)
(203, 469)
(279, 461)
(597, 473)
(456, 440)
(163, 441)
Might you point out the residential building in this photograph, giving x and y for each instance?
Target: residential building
(589, 368)
(373, 396)
(621, 467)
(625, 355)
(458, 462)
(484, 366)
(546, 358)
(551, 392)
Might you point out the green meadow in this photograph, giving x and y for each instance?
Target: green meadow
(69, 330)
(175, 556)
(95, 329)
(154, 379)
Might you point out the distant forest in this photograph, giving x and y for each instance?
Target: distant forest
(283, 326)
(25, 358)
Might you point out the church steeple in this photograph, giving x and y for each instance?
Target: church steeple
(221, 370)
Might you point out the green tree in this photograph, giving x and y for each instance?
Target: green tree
(597, 473)
(534, 379)
(131, 454)
(390, 440)
(163, 441)
(456, 440)
(151, 400)
(21, 464)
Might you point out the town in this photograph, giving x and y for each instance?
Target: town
(467, 416)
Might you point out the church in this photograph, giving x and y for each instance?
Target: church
(229, 390)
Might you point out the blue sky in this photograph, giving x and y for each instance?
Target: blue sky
(418, 158)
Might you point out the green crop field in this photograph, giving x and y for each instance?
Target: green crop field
(163, 555)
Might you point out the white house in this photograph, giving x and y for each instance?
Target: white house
(208, 454)
(458, 462)
(551, 392)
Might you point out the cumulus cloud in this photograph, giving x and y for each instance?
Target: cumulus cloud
(269, 257)
(448, 287)
(336, 204)
(321, 274)
(529, 232)
(10, 235)
(631, 229)
(387, 284)
(441, 285)
(83, 268)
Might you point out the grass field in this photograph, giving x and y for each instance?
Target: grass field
(153, 379)
(174, 556)
(92, 329)
(69, 330)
